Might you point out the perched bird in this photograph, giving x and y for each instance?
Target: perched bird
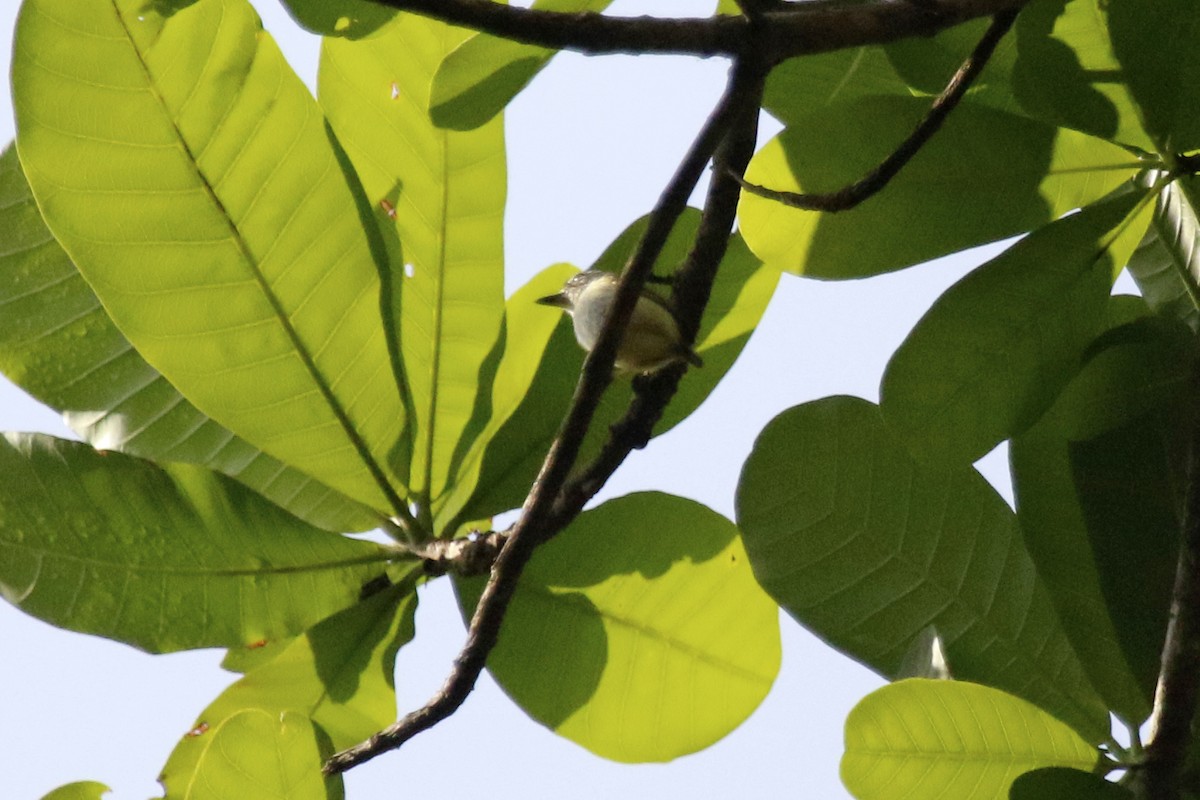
(652, 340)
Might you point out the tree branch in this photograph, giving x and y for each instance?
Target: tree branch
(870, 184)
(730, 133)
(692, 286)
(468, 556)
(1179, 678)
(756, 8)
(539, 520)
(818, 26)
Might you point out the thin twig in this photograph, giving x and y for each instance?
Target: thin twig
(537, 521)
(1179, 678)
(869, 185)
(818, 26)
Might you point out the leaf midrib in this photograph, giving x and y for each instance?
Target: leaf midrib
(282, 319)
(43, 553)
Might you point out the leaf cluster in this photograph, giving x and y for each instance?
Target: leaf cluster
(275, 319)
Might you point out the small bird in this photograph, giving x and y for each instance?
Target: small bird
(652, 340)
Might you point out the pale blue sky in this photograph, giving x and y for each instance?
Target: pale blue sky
(592, 142)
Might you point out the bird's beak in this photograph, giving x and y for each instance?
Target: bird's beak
(557, 300)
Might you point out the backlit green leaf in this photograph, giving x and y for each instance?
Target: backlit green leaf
(1157, 44)
(964, 188)
(58, 344)
(918, 739)
(927, 64)
(868, 547)
(82, 790)
(639, 632)
(275, 756)
(527, 333)
(482, 75)
(441, 194)
(188, 174)
(340, 674)
(162, 558)
(993, 352)
(352, 19)
(801, 85)
(1066, 72)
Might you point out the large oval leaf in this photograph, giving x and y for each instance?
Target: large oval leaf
(1064, 783)
(1157, 43)
(963, 189)
(992, 353)
(187, 172)
(527, 333)
(799, 85)
(275, 756)
(352, 19)
(162, 558)
(340, 675)
(80, 790)
(1065, 72)
(639, 632)
(918, 739)
(482, 75)
(58, 343)
(1093, 481)
(867, 547)
(444, 197)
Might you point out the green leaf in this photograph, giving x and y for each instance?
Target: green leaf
(446, 191)
(1064, 783)
(482, 75)
(188, 174)
(268, 755)
(1066, 72)
(1166, 265)
(351, 19)
(340, 675)
(799, 86)
(867, 547)
(920, 739)
(639, 632)
(81, 790)
(994, 350)
(527, 333)
(1126, 481)
(251, 656)
(1091, 478)
(58, 344)
(512, 455)
(162, 558)
(963, 189)
(928, 64)
(1157, 43)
